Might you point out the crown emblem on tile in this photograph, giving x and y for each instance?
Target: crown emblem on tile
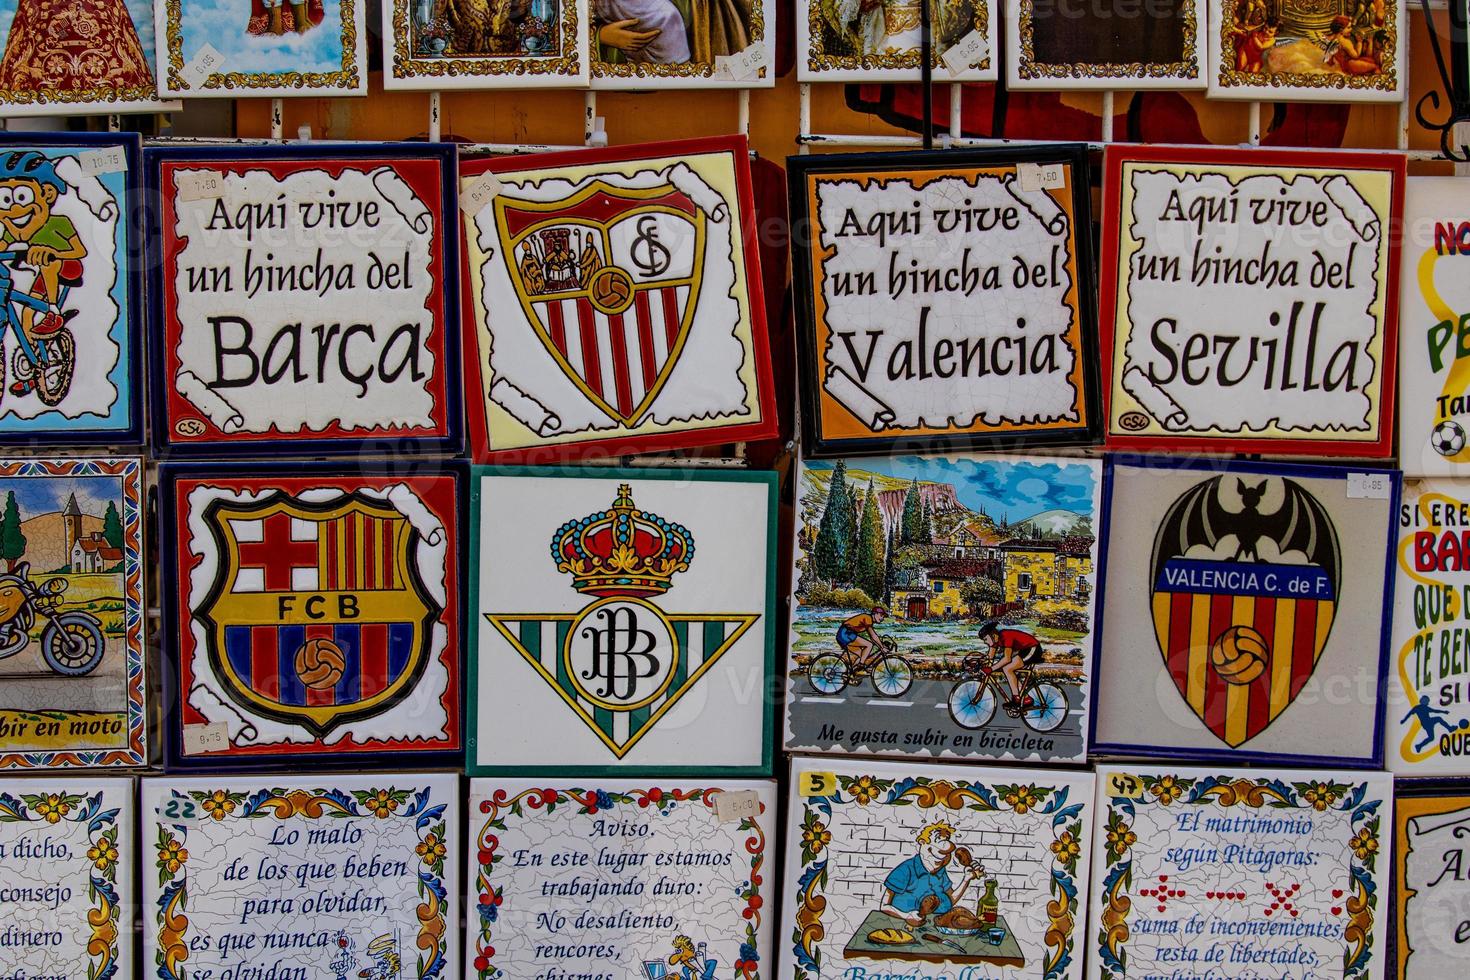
(622, 551)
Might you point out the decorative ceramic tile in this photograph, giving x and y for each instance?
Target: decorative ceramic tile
(69, 853)
(315, 613)
(1246, 612)
(1431, 895)
(944, 607)
(440, 44)
(935, 871)
(646, 44)
(1246, 873)
(1296, 51)
(1434, 336)
(621, 878)
(1109, 44)
(624, 620)
(350, 876)
(70, 351)
(854, 42)
(71, 613)
(1427, 701)
(40, 74)
(617, 302)
(304, 295)
(944, 299)
(1249, 300)
(211, 48)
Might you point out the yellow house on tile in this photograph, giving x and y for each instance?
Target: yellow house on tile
(1045, 569)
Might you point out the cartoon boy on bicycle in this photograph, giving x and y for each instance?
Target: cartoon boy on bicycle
(858, 635)
(1014, 650)
(29, 187)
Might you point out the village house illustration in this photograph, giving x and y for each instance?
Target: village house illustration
(87, 552)
(917, 549)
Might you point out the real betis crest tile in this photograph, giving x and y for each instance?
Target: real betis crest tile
(622, 618)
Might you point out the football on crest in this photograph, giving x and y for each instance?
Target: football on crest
(1239, 655)
(1448, 438)
(319, 663)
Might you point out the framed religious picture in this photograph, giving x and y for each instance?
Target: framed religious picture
(314, 614)
(623, 620)
(72, 613)
(643, 44)
(72, 845)
(1427, 701)
(304, 296)
(904, 869)
(1334, 51)
(962, 585)
(1250, 300)
(1430, 893)
(330, 876)
(1241, 873)
(71, 274)
(443, 44)
(944, 300)
(682, 871)
(1434, 335)
(616, 302)
(41, 75)
(1111, 44)
(883, 41)
(1239, 595)
(216, 49)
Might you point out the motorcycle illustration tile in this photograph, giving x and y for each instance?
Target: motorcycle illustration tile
(315, 613)
(644, 632)
(1255, 613)
(944, 606)
(71, 613)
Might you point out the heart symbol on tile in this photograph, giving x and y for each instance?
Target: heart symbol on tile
(1161, 908)
(1337, 910)
(1209, 894)
(1337, 893)
(1293, 913)
(1268, 911)
(1163, 878)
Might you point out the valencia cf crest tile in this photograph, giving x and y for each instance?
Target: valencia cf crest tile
(314, 614)
(622, 621)
(1245, 610)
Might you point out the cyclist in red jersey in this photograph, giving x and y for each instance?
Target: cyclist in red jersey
(1014, 650)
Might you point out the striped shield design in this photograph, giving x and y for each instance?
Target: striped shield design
(1246, 573)
(317, 615)
(621, 663)
(608, 279)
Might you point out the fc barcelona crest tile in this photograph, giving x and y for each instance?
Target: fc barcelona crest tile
(616, 302)
(1246, 614)
(623, 620)
(315, 613)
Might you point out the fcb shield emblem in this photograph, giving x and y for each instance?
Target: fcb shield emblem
(1246, 571)
(608, 278)
(317, 615)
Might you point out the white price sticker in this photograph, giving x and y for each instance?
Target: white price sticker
(1369, 486)
(746, 65)
(205, 63)
(108, 160)
(199, 185)
(1041, 176)
(733, 807)
(478, 193)
(972, 49)
(202, 739)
